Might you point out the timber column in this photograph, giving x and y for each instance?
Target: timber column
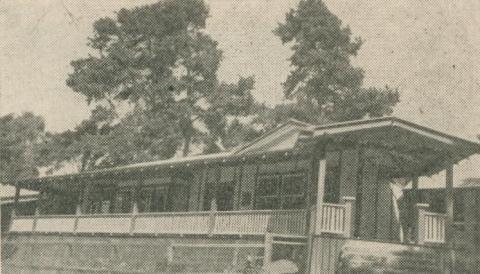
(15, 201)
(449, 204)
(322, 168)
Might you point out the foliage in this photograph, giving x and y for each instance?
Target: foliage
(99, 142)
(159, 58)
(18, 138)
(323, 80)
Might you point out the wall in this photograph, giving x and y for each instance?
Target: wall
(363, 177)
(103, 254)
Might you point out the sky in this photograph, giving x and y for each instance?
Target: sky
(429, 50)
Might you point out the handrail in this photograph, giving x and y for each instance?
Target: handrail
(427, 213)
(332, 205)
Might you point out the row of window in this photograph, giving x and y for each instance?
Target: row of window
(111, 200)
(282, 191)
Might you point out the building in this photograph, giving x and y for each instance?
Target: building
(26, 204)
(313, 195)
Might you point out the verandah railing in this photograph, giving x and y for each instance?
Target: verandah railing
(255, 222)
(431, 226)
(333, 218)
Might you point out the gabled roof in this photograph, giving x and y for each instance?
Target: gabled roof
(390, 121)
(283, 137)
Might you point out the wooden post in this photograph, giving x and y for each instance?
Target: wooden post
(35, 217)
(420, 209)
(411, 230)
(268, 250)
(135, 197)
(78, 213)
(359, 190)
(87, 191)
(349, 203)
(449, 204)
(15, 201)
(213, 211)
(322, 168)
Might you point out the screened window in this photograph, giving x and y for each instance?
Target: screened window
(102, 200)
(280, 191)
(153, 199)
(123, 200)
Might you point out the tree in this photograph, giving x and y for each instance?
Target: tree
(18, 137)
(323, 80)
(158, 58)
(104, 141)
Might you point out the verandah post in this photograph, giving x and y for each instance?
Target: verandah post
(268, 249)
(449, 203)
(14, 209)
(35, 217)
(322, 168)
(349, 203)
(213, 213)
(412, 211)
(135, 196)
(15, 200)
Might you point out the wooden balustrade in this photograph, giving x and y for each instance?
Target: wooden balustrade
(333, 218)
(54, 223)
(434, 231)
(256, 222)
(260, 221)
(109, 224)
(430, 226)
(172, 223)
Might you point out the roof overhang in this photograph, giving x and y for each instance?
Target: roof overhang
(422, 150)
(422, 144)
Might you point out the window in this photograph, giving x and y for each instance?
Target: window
(123, 200)
(281, 191)
(153, 199)
(102, 200)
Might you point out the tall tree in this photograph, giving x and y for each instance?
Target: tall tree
(18, 137)
(323, 80)
(103, 140)
(159, 58)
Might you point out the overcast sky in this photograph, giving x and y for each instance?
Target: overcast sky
(430, 50)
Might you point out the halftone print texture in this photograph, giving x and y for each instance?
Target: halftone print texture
(249, 136)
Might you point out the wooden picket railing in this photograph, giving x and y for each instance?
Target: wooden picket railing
(333, 218)
(430, 226)
(434, 231)
(255, 222)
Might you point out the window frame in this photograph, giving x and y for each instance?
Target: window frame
(281, 198)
